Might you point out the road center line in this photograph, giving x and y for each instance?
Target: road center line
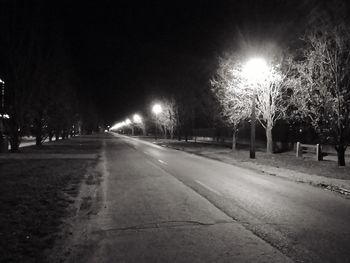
(146, 152)
(208, 187)
(162, 162)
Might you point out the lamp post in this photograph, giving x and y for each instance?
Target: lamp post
(255, 71)
(157, 108)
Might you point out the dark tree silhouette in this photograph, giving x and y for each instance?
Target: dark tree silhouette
(323, 96)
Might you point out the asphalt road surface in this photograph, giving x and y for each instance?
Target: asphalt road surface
(156, 204)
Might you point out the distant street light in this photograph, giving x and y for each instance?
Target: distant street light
(157, 108)
(137, 118)
(255, 70)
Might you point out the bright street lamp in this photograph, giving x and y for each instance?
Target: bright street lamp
(255, 70)
(137, 118)
(157, 108)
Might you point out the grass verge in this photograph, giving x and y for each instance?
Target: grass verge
(34, 197)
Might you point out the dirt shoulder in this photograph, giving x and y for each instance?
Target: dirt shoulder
(326, 174)
(38, 187)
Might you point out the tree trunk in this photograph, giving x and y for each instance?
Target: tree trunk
(178, 133)
(50, 136)
(38, 133)
(234, 140)
(269, 142)
(14, 136)
(14, 142)
(57, 135)
(38, 140)
(178, 128)
(165, 132)
(341, 154)
(172, 133)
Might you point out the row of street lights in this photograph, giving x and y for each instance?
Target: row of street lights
(254, 70)
(137, 119)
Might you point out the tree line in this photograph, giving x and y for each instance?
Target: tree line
(309, 85)
(41, 83)
(304, 85)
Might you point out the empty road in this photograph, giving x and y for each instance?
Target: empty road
(155, 204)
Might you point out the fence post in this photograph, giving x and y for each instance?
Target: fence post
(319, 152)
(299, 150)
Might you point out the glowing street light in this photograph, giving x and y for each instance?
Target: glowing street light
(127, 121)
(118, 126)
(157, 108)
(137, 118)
(255, 71)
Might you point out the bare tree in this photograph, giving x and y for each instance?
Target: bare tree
(234, 101)
(235, 93)
(323, 94)
(273, 93)
(167, 118)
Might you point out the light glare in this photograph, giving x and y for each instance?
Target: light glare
(255, 69)
(137, 118)
(157, 109)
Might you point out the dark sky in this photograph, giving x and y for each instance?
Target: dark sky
(127, 51)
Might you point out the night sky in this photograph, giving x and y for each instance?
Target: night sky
(126, 52)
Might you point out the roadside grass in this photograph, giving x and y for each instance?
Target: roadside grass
(81, 144)
(35, 196)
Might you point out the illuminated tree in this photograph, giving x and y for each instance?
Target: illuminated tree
(235, 102)
(323, 96)
(139, 123)
(167, 118)
(235, 91)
